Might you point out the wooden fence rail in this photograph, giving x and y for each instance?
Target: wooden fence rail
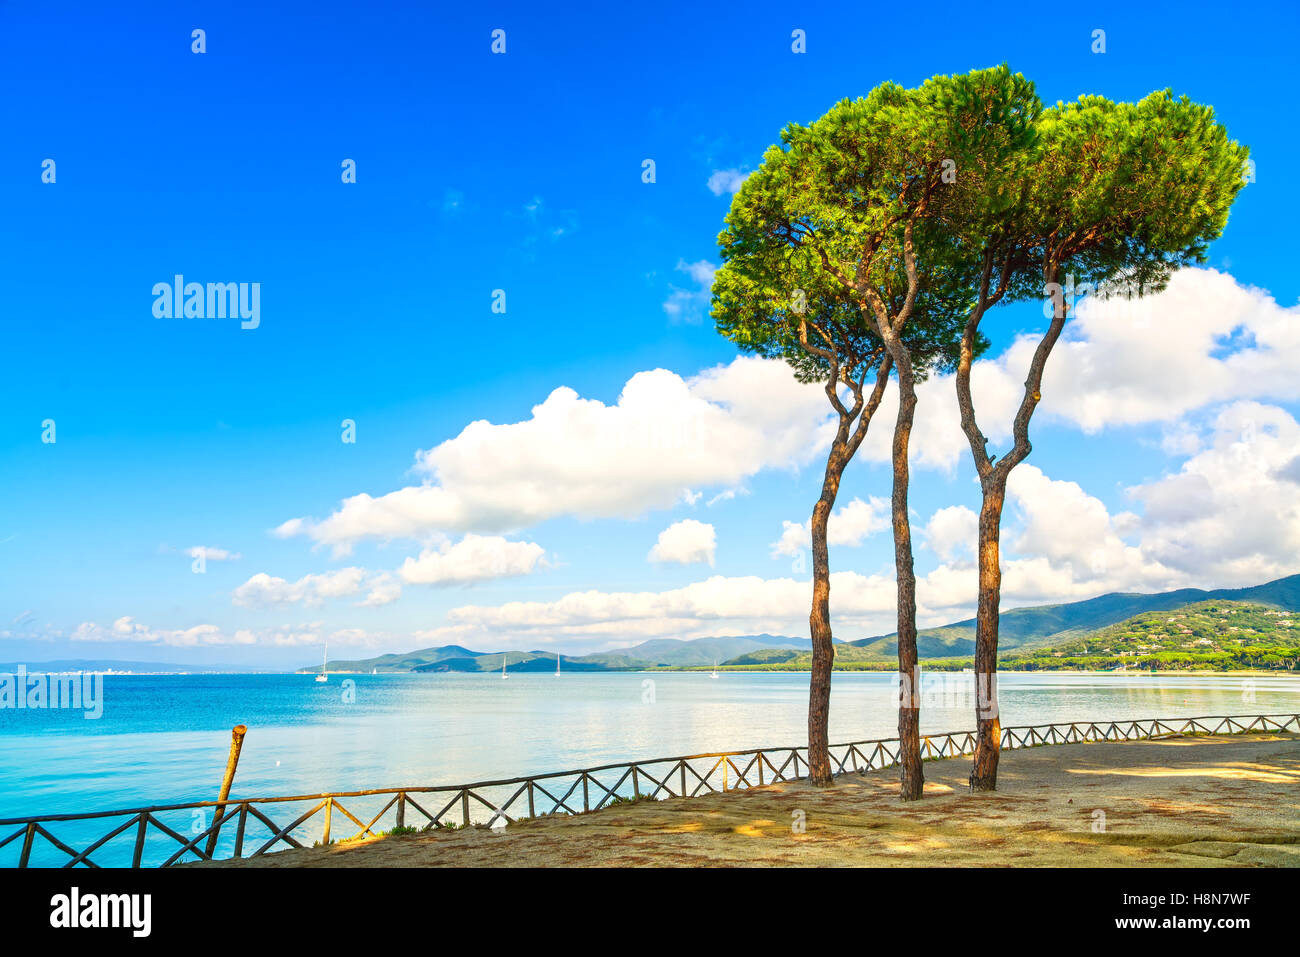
(504, 801)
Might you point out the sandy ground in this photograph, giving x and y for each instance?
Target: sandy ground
(1225, 800)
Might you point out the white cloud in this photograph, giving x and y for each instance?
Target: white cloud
(127, 628)
(857, 521)
(474, 558)
(851, 525)
(686, 542)
(690, 305)
(1205, 340)
(795, 538)
(718, 605)
(263, 590)
(726, 181)
(665, 439)
(210, 554)
(1231, 514)
(384, 590)
(313, 633)
(861, 606)
(951, 532)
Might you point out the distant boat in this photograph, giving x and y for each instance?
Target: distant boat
(325, 660)
(715, 669)
(504, 676)
(374, 671)
(557, 664)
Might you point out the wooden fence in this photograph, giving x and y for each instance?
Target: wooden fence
(245, 826)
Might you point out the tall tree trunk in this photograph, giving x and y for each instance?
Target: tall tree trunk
(823, 648)
(912, 774)
(846, 443)
(988, 736)
(993, 483)
(819, 621)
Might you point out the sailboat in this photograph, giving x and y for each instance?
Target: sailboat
(557, 664)
(715, 668)
(504, 676)
(325, 660)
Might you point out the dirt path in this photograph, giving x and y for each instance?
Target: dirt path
(1226, 800)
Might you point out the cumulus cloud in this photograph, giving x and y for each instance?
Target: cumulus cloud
(951, 532)
(726, 181)
(666, 438)
(718, 605)
(263, 590)
(1229, 516)
(1232, 512)
(127, 628)
(474, 558)
(685, 543)
(861, 606)
(795, 538)
(1217, 341)
(851, 525)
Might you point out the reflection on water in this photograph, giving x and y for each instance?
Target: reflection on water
(164, 738)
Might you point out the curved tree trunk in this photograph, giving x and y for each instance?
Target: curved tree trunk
(993, 483)
(988, 737)
(843, 447)
(912, 774)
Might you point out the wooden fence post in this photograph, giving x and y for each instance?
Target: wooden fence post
(27, 844)
(232, 762)
(139, 839)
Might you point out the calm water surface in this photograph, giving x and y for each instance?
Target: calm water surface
(163, 739)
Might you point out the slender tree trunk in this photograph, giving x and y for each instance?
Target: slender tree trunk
(993, 482)
(846, 443)
(909, 706)
(988, 737)
(819, 626)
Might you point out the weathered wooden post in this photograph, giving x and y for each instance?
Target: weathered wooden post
(232, 762)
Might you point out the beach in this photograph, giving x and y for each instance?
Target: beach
(1178, 801)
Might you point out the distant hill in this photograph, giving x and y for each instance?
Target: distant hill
(1052, 624)
(1216, 634)
(697, 652)
(388, 664)
(656, 653)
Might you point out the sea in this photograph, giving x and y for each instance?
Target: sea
(163, 739)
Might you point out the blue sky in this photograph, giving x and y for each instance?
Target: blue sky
(523, 172)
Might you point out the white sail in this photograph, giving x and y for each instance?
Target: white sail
(503, 667)
(325, 660)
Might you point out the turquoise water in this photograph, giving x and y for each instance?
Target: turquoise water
(163, 739)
